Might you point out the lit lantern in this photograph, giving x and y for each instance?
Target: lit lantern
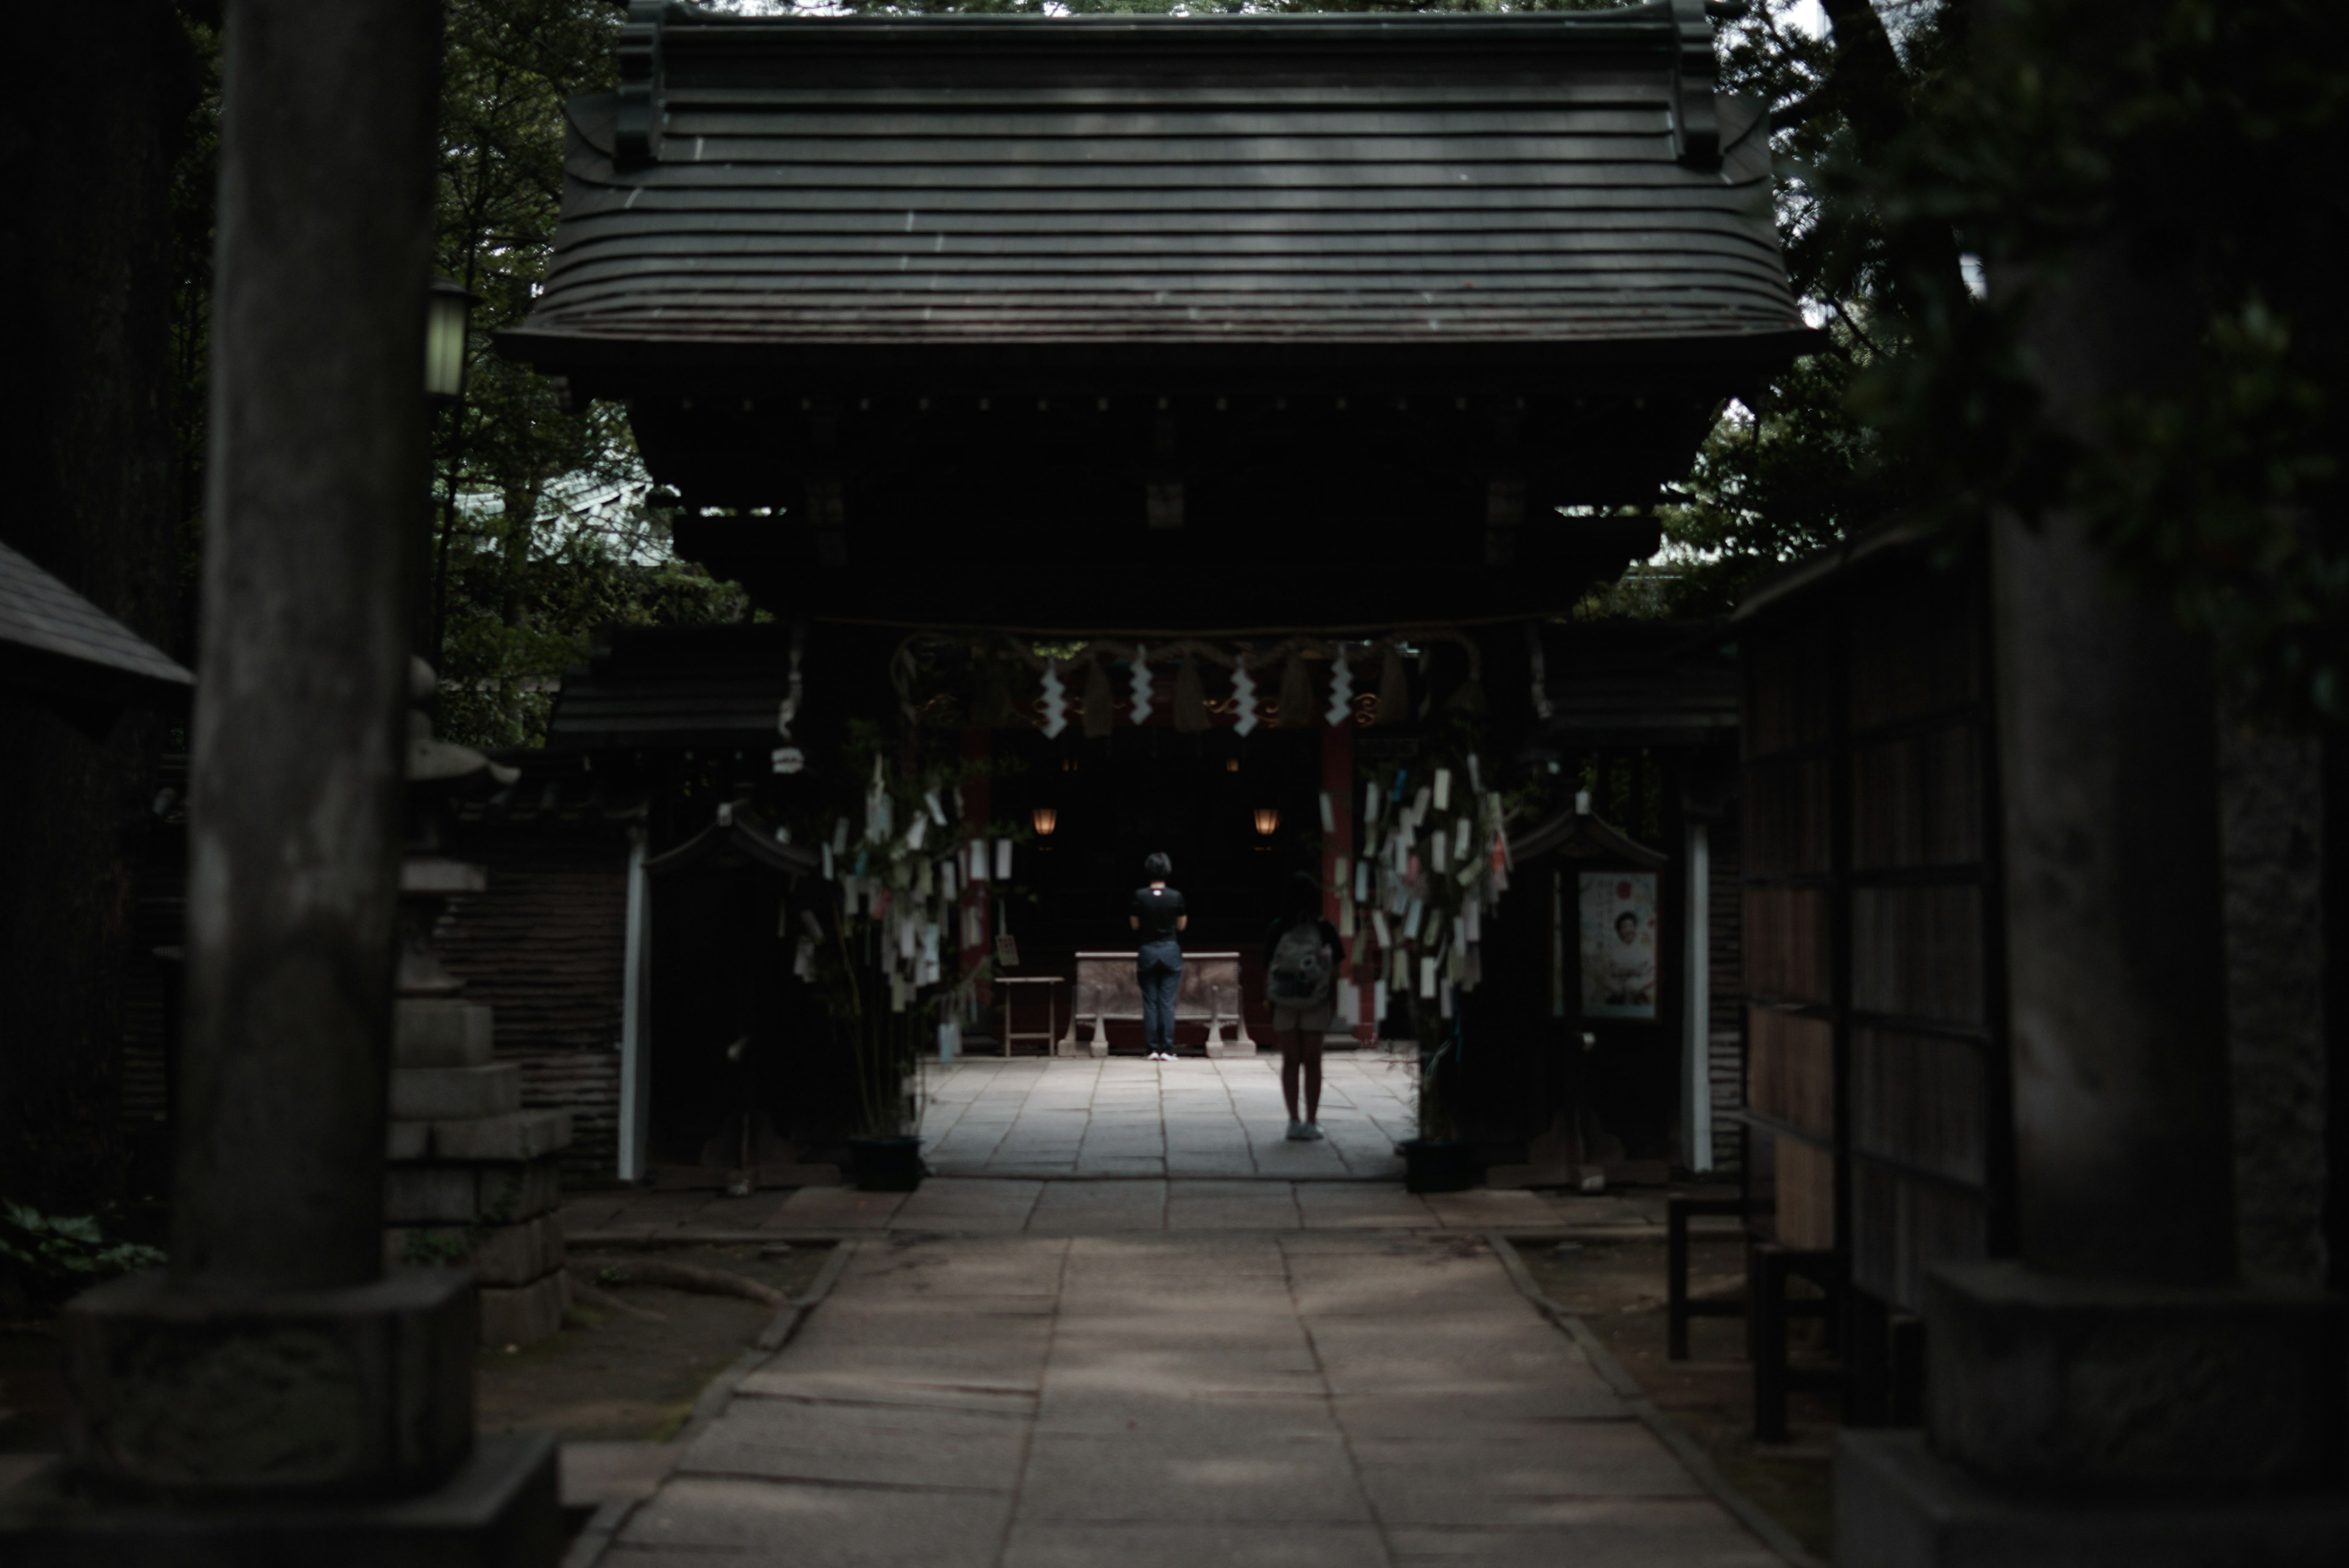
(448, 331)
(1267, 821)
(1047, 819)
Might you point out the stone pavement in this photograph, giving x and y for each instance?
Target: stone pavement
(1305, 1399)
(978, 1205)
(1121, 1115)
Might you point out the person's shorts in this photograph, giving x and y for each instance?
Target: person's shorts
(1313, 1020)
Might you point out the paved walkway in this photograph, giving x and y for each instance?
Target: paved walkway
(1365, 1399)
(1122, 1116)
(980, 1206)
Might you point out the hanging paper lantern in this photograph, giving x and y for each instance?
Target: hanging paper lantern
(1394, 690)
(1190, 700)
(1296, 694)
(1100, 707)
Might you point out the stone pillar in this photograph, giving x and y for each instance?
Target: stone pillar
(2124, 1159)
(2115, 1394)
(275, 1395)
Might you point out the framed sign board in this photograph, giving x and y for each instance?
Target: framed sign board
(1618, 944)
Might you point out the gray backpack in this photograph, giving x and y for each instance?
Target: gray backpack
(1298, 974)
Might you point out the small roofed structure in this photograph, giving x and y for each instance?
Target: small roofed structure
(64, 653)
(964, 320)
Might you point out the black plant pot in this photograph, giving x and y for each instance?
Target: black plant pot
(1438, 1166)
(885, 1164)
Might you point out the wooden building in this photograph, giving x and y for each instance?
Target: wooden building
(1876, 1068)
(1184, 342)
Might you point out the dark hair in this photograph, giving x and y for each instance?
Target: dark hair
(1158, 869)
(1304, 894)
(1626, 915)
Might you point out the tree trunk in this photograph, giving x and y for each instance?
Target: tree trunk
(87, 272)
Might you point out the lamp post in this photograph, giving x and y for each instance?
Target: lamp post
(448, 341)
(447, 329)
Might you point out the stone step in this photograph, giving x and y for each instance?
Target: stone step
(442, 1031)
(516, 1135)
(500, 1193)
(455, 1093)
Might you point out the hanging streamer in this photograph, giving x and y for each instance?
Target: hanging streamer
(1244, 701)
(1341, 691)
(1056, 700)
(1141, 683)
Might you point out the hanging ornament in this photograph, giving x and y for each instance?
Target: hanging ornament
(1100, 708)
(1341, 691)
(1394, 690)
(1190, 700)
(1141, 683)
(1296, 694)
(1243, 700)
(1056, 700)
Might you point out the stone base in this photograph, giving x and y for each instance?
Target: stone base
(499, 1510)
(2053, 1383)
(1220, 1049)
(503, 1192)
(188, 1390)
(1897, 1506)
(501, 1256)
(524, 1315)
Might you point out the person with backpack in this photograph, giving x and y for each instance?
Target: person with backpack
(1157, 918)
(1302, 952)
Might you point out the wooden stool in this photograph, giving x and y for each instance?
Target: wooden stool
(1051, 1010)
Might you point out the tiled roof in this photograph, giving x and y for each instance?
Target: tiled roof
(54, 643)
(1530, 178)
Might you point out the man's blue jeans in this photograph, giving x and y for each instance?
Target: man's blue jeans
(1159, 966)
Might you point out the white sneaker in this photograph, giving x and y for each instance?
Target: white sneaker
(1312, 1130)
(1296, 1133)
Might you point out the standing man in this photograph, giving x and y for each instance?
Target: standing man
(1157, 918)
(1302, 952)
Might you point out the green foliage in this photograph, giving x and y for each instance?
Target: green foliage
(548, 530)
(2179, 152)
(1798, 465)
(54, 1257)
(1773, 487)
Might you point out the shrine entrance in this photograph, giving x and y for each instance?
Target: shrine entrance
(1090, 493)
(1235, 818)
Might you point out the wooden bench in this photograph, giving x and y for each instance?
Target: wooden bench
(1108, 987)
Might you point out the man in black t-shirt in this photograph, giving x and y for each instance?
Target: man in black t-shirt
(1157, 916)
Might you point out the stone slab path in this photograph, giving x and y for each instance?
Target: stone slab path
(1364, 1399)
(1122, 1116)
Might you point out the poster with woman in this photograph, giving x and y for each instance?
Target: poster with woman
(1618, 944)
